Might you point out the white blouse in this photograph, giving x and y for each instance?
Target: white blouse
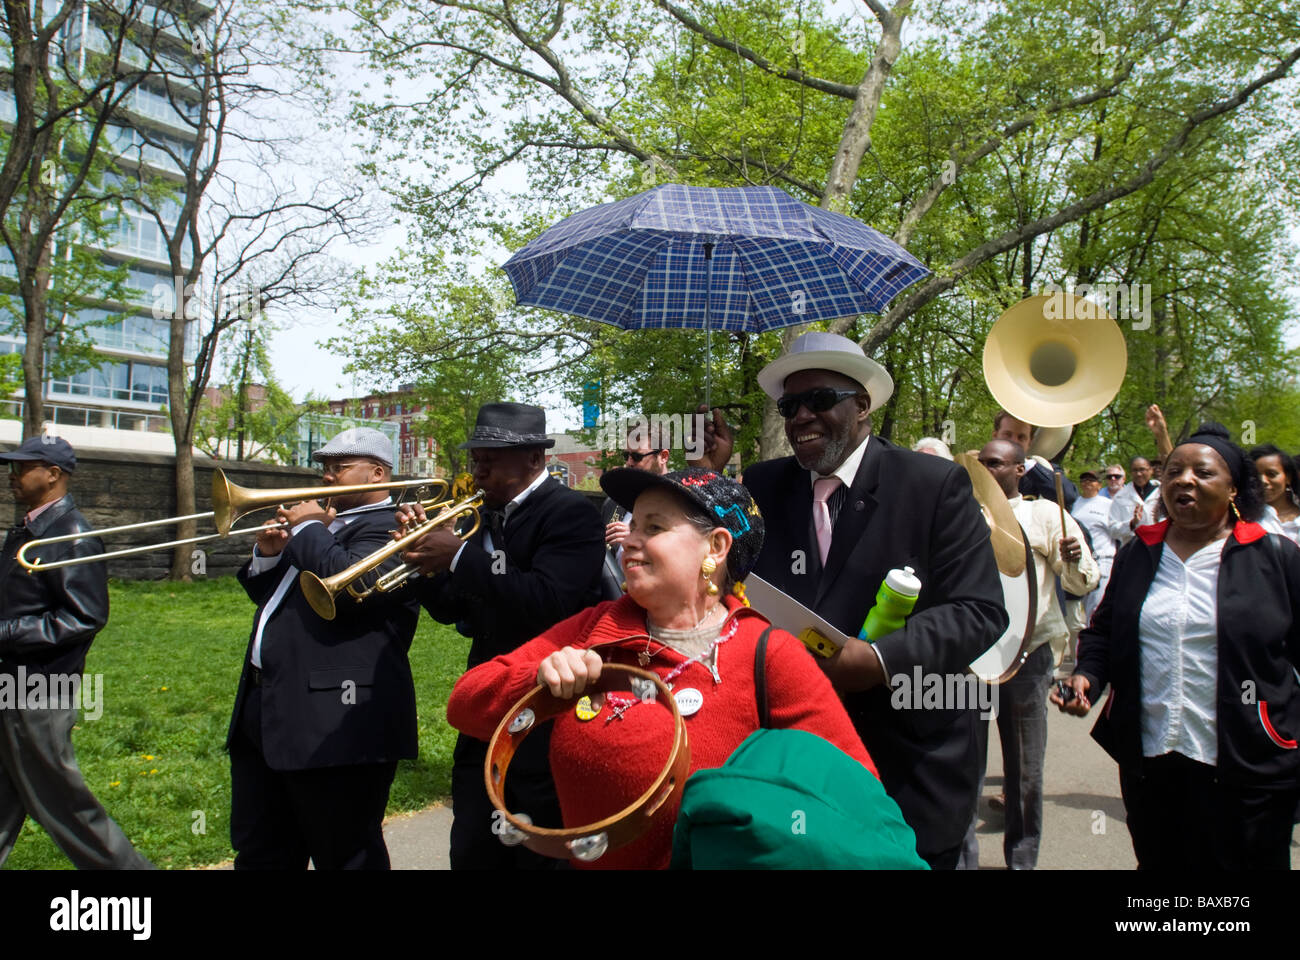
(1178, 656)
(1274, 524)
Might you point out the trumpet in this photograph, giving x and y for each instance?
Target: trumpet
(322, 592)
(230, 502)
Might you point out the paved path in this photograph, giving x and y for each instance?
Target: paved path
(1083, 816)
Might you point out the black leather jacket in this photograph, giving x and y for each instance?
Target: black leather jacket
(47, 620)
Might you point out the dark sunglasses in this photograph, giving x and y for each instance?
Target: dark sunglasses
(638, 457)
(817, 400)
(1114, 476)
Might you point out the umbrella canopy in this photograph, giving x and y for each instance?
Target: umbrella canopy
(729, 258)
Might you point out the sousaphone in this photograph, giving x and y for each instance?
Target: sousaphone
(1053, 361)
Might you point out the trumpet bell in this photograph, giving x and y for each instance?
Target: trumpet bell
(1055, 360)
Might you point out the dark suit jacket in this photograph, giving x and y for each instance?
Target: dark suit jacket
(910, 509)
(338, 691)
(1039, 483)
(553, 555)
(554, 547)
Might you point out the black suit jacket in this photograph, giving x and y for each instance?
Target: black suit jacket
(1039, 483)
(338, 691)
(903, 509)
(553, 551)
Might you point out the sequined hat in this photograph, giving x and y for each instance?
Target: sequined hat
(721, 498)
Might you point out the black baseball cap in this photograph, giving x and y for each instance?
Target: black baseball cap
(722, 499)
(1089, 475)
(46, 448)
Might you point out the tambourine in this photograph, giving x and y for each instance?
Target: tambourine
(594, 840)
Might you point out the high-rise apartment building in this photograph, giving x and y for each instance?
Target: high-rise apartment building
(127, 390)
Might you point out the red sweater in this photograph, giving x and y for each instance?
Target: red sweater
(600, 768)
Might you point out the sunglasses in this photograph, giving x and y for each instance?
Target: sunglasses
(1114, 476)
(817, 400)
(638, 457)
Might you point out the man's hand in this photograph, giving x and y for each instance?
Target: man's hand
(853, 667)
(1137, 516)
(717, 443)
(432, 553)
(302, 512)
(616, 533)
(569, 671)
(1071, 550)
(1080, 705)
(271, 539)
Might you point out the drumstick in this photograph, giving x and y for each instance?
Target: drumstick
(1060, 497)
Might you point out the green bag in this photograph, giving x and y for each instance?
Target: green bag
(787, 799)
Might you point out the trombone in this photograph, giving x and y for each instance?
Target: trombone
(322, 592)
(230, 502)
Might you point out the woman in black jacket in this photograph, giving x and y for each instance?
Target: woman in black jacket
(1198, 637)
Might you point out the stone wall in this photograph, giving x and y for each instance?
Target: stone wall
(113, 489)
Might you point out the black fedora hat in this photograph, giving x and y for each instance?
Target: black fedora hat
(508, 425)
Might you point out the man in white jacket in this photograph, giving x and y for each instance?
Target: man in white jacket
(1022, 700)
(1129, 508)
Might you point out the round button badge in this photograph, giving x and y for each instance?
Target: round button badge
(689, 700)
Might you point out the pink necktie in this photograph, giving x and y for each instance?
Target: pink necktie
(823, 488)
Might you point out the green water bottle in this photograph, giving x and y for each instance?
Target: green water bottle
(894, 601)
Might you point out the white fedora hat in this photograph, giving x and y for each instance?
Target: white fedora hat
(828, 351)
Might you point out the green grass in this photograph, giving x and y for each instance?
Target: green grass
(171, 656)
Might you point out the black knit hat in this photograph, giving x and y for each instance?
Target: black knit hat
(722, 499)
(1215, 436)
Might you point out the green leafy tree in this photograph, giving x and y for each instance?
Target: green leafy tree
(1006, 145)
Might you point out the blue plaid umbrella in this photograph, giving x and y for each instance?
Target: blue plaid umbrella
(729, 258)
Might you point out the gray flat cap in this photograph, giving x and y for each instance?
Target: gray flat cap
(358, 442)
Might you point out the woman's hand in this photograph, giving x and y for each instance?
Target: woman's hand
(568, 672)
(1080, 705)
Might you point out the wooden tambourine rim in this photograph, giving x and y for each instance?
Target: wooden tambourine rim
(1031, 576)
(621, 828)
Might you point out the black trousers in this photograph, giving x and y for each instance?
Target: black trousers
(475, 844)
(332, 816)
(1181, 817)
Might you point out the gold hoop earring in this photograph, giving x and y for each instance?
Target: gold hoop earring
(707, 569)
(1232, 508)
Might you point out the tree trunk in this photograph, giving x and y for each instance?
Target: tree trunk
(34, 366)
(179, 409)
(854, 143)
(34, 289)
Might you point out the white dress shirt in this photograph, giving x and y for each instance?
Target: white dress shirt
(1178, 656)
(260, 564)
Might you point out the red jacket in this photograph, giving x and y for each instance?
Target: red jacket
(601, 767)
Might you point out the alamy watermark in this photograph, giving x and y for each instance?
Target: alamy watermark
(1122, 301)
(241, 300)
(658, 431)
(942, 691)
(52, 691)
